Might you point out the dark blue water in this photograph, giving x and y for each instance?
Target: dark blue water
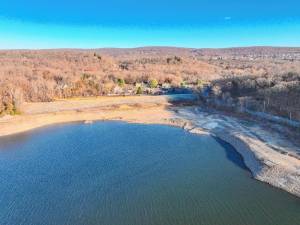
(114, 173)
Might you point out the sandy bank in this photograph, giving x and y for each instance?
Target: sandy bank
(257, 146)
(139, 109)
(22, 123)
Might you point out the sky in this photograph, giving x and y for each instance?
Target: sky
(44, 24)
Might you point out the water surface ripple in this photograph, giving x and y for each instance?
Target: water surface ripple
(114, 173)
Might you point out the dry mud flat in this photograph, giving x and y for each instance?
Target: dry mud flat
(270, 157)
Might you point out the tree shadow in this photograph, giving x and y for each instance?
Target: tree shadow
(232, 154)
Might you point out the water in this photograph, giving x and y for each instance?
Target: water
(114, 173)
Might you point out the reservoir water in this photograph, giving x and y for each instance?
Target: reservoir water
(114, 173)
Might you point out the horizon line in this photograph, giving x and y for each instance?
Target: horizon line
(149, 46)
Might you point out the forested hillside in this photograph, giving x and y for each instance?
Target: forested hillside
(266, 76)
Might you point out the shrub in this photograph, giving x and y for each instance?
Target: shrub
(121, 82)
(153, 83)
(139, 90)
(183, 84)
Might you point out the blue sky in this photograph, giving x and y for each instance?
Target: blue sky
(133, 23)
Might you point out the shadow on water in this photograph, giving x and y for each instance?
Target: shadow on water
(11, 141)
(231, 154)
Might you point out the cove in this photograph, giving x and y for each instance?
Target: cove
(115, 173)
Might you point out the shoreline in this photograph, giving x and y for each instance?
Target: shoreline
(22, 123)
(266, 164)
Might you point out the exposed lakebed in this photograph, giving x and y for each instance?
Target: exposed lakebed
(117, 173)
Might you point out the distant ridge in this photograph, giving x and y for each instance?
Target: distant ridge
(174, 50)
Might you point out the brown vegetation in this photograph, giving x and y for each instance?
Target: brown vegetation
(44, 75)
(277, 94)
